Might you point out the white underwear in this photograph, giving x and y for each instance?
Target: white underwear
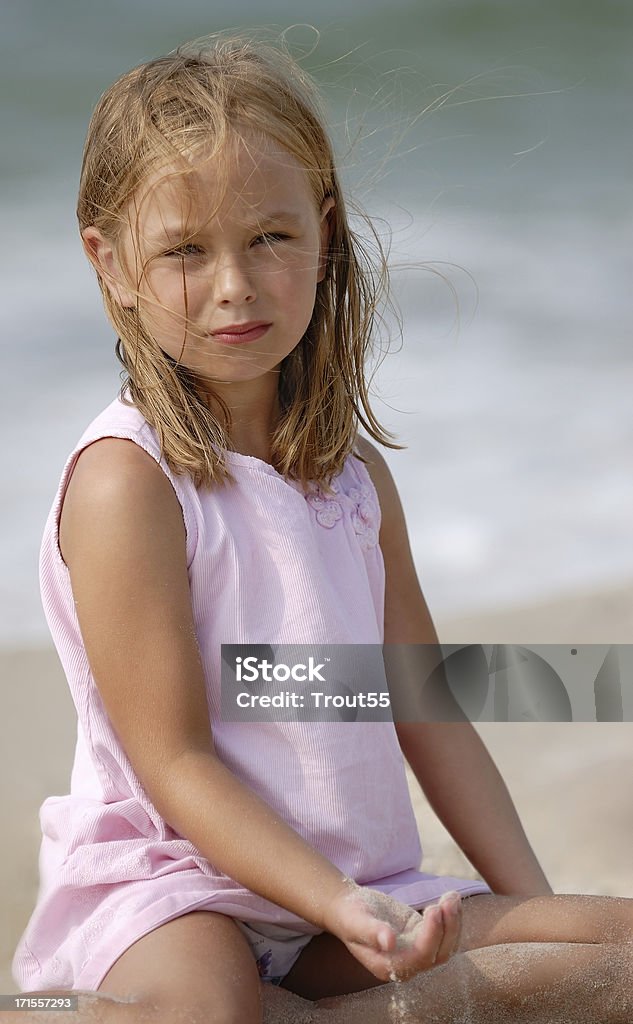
(275, 949)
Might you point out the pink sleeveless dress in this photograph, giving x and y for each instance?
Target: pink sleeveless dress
(266, 565)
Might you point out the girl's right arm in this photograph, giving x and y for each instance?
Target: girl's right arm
(122, 537)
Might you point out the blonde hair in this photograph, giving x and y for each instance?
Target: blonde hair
(209, 91)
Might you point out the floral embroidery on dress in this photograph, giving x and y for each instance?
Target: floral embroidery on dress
(328, 511)
(364, 515)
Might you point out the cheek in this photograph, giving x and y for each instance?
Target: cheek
(299, 283)
(167, 296)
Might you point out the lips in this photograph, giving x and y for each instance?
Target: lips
(239, 334)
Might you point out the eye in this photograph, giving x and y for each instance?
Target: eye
(188, 249)
(272, 236)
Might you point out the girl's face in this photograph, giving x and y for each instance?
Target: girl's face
(256, 261)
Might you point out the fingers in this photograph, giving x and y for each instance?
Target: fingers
(451, 908)
(394, 942)
(386, 940)
(433, 940)
(433, 935)
(417, 950)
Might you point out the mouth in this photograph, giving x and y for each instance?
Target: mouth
(240, 334)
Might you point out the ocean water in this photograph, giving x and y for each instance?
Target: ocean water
(507, 206)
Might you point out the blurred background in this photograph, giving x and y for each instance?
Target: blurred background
(492, 140)
(515, 185)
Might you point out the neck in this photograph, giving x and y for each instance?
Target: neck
(254, 408)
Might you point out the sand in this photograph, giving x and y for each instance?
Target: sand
(572, 782)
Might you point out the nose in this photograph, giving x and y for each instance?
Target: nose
(232, 283)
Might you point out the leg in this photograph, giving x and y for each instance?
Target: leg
(196, 969)
(531, 983)
(489, 920)
(327, 968)
(92, 1008)
(514, 984)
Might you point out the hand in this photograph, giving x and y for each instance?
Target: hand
(390, 939)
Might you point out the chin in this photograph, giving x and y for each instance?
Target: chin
(237, 374)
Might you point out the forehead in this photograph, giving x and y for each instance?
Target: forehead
(246, 181)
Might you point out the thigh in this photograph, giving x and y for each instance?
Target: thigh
(519, 983)
(490, 920)
(198, 967)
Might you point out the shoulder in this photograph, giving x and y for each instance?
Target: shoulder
(116, 466)
(115, 480)
(407, 618)
(368, 451)
(392, 515)
(117, 452)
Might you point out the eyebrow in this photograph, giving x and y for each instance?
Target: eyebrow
(282, 215)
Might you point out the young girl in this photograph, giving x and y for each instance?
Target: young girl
(226, 497)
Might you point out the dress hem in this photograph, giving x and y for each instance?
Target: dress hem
(98, 966)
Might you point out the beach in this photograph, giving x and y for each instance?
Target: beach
(486, 142)
(571, 781)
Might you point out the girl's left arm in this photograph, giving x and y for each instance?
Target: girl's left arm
(449, 760)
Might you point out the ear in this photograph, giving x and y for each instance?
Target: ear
(327, 227)
(101, 254)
